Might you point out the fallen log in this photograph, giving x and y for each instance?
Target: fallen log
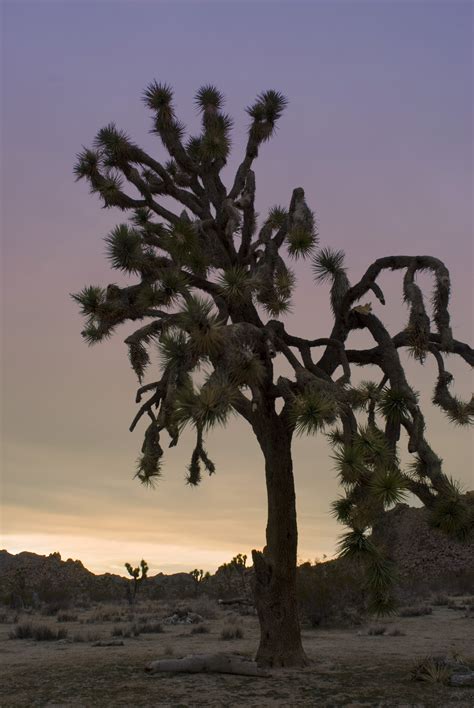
(208, 663)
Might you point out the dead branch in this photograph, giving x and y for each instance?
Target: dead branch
(208, 663)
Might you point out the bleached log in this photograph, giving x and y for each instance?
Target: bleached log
(208, 663)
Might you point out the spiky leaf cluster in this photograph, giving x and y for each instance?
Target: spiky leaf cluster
(149, 463)
(394, 404)
(205, 330)
(236, 284)
(328, 264)
(265, 112)
(207, 407)
(312, 411)
(90, 299)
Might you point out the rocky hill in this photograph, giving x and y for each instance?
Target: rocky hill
(32, 579)
(427, 561)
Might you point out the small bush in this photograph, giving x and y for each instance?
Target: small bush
(40, 633)
(431, 669)
(22, 631)
(200, 629)
(415, 611)
(66, 617)
(54, 602)
(89, 637)
(329, 594)
(232, 633)
(376, 631)
(150, 628)
(441, 600)
(205, 606)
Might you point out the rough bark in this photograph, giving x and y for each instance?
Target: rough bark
(275, 567)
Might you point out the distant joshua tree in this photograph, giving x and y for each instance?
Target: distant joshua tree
(138, 574)
(199, 577)
(206, 280)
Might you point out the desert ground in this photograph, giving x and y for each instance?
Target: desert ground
(365, 665)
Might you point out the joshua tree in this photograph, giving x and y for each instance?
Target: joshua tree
(138, 574)
(210, 282)
(238, 565)
(200, 577)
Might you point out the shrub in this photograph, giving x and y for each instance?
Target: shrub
(200, 629)
(40, 633)
(329, 594)
(441, 600)
(150, 628)
(232, 633)
(89, 637)
(205, 606)
(376, 631)
(66, 617)
(415, 611)
(432, 669)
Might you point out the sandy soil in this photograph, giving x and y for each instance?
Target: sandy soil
(349, 667)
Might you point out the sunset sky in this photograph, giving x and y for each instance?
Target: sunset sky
(378, 131)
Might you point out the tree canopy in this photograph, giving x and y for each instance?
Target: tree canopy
(211, 285)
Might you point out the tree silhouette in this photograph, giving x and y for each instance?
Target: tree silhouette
(138, 574)
(206, 281)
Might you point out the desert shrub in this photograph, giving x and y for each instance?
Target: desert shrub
(40, 633)
(150, 628)
(200, 629)
(89, 637)
(453, 605)
(22, 631)
(431, 669)
(232, 633)
(376, 631)
(415, 611)
(66, 617)
(232, 618)
(205, 606)
(55, 596)
(329, 594)
(100, 616)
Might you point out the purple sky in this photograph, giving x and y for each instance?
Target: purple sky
(378, 132)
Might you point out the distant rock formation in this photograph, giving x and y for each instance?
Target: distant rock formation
(28, 579)
(426, 559)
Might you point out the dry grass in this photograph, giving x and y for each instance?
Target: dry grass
(415, 611)
(347, 666)
(40, 633)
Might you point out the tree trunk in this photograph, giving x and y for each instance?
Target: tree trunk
(275, 568)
